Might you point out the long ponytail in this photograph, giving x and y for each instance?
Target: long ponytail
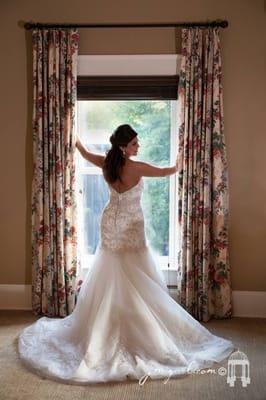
(114, 159)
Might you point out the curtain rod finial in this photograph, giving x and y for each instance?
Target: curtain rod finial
(27, 25)
(222, 23)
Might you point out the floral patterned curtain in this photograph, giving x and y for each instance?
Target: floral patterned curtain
(203, 280)
(54, 239)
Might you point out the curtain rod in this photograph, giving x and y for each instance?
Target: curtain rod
(220, 23)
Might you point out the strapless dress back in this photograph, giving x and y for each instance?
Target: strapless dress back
(122, 222)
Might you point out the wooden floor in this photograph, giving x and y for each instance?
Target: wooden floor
(248, 334)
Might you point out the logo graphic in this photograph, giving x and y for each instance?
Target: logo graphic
(238, 367)
(238, 359)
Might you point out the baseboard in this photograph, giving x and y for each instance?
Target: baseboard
(245, 303)
(15, 297)
(249, 304)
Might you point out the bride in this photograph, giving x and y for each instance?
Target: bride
(125, 325)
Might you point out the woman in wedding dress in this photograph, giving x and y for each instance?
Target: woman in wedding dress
(125, 325)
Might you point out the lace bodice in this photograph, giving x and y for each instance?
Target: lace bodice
(122, 221)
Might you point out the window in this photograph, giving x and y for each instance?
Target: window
(149, 104)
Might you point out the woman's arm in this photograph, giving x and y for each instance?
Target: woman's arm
(94, 158)
(146, 169)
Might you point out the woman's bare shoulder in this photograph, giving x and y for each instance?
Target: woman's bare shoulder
(138, 167)
(145, 169)
(136, 164)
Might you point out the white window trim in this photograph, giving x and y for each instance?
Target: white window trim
(125, 64)
(149, 65)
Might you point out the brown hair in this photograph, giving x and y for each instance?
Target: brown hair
(115, 159)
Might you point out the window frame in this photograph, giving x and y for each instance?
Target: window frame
(141, 87)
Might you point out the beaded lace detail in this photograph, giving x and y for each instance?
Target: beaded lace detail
(122, 222)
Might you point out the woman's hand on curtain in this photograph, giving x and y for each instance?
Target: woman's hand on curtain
(176, 164)
(179, 162)
(80, 146)
(78, 142)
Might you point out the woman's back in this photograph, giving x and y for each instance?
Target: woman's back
(130, 176)
(119, 170)
(132, 171)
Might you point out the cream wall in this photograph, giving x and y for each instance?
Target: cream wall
(243, 52)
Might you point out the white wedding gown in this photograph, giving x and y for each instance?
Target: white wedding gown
(125, 324)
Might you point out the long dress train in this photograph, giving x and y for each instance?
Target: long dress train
(125, 324)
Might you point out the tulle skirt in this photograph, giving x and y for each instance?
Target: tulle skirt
(125, 326)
